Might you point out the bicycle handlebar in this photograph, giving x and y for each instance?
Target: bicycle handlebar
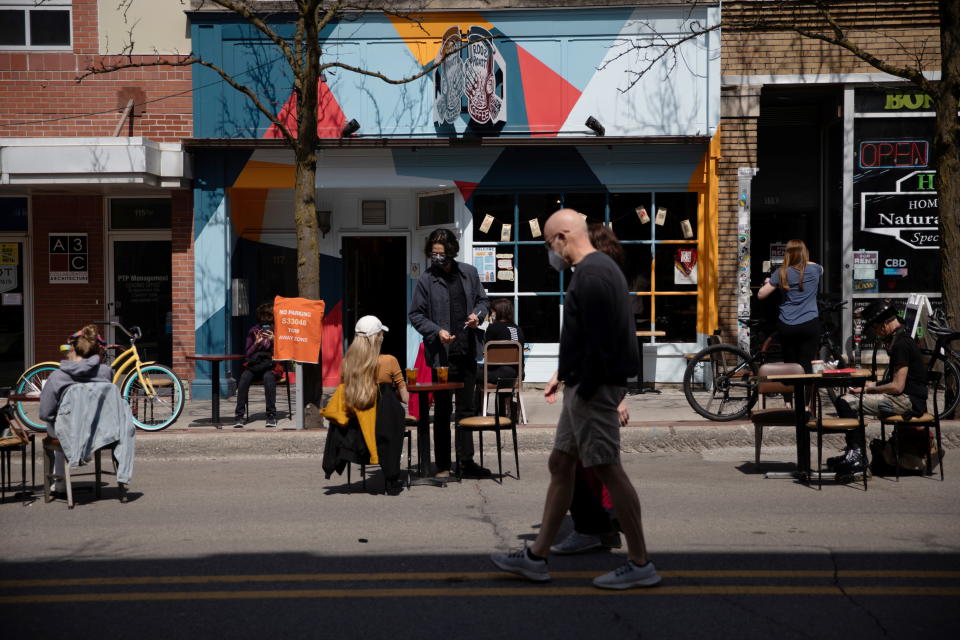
(133, 332)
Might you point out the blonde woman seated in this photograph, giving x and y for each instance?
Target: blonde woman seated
(369, 398)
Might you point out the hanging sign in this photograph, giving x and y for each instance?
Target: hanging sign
(298, 329)
(68, 258)
(685, 266)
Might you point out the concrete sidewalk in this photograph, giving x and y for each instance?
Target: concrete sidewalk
(658, 422)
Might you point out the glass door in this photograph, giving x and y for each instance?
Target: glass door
(13, 314)
(142, 295)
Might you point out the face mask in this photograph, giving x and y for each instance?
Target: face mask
(556, 261)
(438, 259)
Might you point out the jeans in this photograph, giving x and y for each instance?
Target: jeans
(461, 369)
(269, 390)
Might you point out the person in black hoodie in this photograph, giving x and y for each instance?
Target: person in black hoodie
(82, 365)
(258, 364)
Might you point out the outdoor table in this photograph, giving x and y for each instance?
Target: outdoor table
(423, 392)
(214, 361)
(31, 436)
(802, 383)
(646, 334)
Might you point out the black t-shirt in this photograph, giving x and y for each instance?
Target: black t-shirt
(504, 331)
(903, 351)
(598, 344)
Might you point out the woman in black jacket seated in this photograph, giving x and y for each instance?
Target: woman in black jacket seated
(502, 327)
(258, 364)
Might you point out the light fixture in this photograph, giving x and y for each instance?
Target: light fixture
(323, 221)
(349, 129)
(594, 125)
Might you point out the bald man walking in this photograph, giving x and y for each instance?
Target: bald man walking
(598, 352)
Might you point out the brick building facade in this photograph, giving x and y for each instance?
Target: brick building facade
(71, 153)
(775, 79)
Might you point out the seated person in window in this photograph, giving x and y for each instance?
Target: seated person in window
(903, 390)
(502, 327)
(258, 364)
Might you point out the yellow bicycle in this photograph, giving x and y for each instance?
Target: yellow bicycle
(152, 390)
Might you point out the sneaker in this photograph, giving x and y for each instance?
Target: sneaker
(629, 575)
(271, 421)
(520, 563)
(238, 422)
(576, 543)
(470, 469)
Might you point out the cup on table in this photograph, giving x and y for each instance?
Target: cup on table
(442, 373)
(818, 366)
(411, 377)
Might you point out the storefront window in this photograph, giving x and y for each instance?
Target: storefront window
(13, 214)
(139, 213)
(660, 259)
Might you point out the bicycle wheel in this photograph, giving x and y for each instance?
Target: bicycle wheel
(947, 390)
(157, 410)
(31, 383)
(720, 383)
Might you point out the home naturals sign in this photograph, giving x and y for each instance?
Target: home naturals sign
(910, 214)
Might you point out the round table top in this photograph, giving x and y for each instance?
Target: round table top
(435, 386)
(215, 357)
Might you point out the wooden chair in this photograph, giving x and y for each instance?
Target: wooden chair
(497, 353)
(776, 416)
(16, 440)
(926, 421)
(497, 423)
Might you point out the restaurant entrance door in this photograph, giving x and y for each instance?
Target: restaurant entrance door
(375, 283)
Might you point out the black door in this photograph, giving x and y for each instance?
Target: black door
(142, 295)
(375, 283)
(12, 321)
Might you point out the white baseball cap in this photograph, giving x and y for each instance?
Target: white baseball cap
(369, 326)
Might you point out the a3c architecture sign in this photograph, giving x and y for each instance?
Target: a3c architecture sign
(471, 82)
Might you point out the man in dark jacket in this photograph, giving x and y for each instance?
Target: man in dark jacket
(449, 302)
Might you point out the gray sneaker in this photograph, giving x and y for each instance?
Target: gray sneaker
(520, 563)
(576, 543)
(238, 422)
(629, 575)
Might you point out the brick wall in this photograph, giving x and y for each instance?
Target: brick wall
(42, 87)
(61, 309)
(897, 32)
(183, 301)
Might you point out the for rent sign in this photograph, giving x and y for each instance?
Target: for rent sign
(298, 327)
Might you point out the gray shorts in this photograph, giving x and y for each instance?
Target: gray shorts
(880, 404)
(590, 429)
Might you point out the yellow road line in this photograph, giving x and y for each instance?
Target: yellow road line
(527, 590)
(460, 577)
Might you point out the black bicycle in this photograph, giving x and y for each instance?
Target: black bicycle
(720, 381)
(945, 359)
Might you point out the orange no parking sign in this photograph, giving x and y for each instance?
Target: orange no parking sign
(298, 326)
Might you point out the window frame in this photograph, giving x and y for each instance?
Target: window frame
(27, 9)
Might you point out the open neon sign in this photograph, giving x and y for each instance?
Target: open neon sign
(894, 154)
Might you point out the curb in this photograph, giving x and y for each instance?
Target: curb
(636, 437)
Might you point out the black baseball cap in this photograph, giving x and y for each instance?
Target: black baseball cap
(878, 312)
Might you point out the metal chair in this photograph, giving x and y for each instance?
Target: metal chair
(925, 421)
(839, 425)
(410, 423)
(497, 423)
(498, 353)
(51, 446)
(285, 380)
(775, 416)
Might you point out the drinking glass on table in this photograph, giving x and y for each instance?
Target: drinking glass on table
(411, 377)
(442, 373)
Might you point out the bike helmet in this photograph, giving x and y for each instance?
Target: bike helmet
(878, 312)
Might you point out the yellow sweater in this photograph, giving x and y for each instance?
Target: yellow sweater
(338, 411)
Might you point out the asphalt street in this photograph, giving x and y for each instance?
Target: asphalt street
(269, 548)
